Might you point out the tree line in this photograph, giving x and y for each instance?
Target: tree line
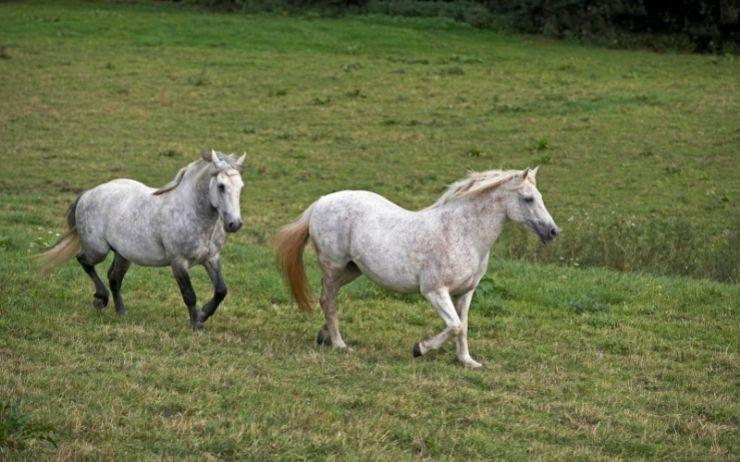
(705, 26)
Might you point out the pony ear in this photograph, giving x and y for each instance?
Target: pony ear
(534, 171)
(525, 173)
(217, 164)
(240, 161)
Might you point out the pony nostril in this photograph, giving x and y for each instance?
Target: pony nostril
(553, 232)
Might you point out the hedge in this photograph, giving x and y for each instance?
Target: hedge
(700, 26)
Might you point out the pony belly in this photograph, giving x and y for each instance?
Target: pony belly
(399, 281)
(465, 286)
(141, 252)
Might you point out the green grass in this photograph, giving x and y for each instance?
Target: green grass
(639, 155)
(630, 142)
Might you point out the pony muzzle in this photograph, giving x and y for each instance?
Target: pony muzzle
(549, 233)
(232, 224)
(546, 231)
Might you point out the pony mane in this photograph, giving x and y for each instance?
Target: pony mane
(475, 183)
(178, 179)
(232, 161)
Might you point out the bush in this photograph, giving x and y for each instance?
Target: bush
(324, 6)
(703, 26)
(473, 13)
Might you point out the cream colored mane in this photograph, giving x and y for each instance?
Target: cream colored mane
(476, 183)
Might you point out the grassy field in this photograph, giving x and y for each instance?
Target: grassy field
(639, 155)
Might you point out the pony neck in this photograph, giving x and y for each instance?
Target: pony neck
(481, 217)
(195, 194)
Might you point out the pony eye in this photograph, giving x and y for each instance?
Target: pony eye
(221, 187)
(529, 199)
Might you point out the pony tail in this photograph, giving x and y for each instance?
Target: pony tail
(291, 241)
(63, 250)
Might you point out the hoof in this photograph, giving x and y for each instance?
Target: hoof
(471, 363)
(120, 310)
(99, 302)
(196, 326)
(322, 338)
(417, 350)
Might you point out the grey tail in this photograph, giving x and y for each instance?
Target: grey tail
(71, 218)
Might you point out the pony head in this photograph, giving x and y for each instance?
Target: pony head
(514, 190)
(524, 205)
(225, 187)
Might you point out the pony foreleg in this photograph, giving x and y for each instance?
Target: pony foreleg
(442, 302)
(462, 305)
(213, 268)
(188, 294)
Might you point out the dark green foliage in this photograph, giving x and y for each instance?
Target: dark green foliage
(471, 12)
(705, 25)
(702, 26)
(324, 6)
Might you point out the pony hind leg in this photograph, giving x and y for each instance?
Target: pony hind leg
(115, 278)
(333, 280)
(88, 261)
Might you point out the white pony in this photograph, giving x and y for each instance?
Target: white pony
(181, 224)
(441, 251)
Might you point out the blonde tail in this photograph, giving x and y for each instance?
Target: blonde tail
(291, 240)
(65, 249)
(67, 246)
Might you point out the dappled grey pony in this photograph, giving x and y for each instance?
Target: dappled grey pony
(441, 251)
(181, 225)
